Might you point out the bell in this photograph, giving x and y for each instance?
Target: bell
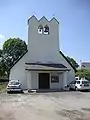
(46, 29)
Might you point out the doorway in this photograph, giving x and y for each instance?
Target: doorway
(44, 81)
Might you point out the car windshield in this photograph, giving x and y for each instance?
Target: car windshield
(14, 83)
(78, 82)
(85, 82)
(73, 82)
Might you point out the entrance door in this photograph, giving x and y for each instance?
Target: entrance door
(44, 82)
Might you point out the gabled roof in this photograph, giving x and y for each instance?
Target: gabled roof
(54, 64)
(68, 61)
(19, 59)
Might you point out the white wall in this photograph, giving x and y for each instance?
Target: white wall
(18, 71)
(42, 46)
(28, 80)
(61, 80)
(45, 48)
(34, 80)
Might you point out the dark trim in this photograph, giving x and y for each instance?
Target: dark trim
(54, 19)
(68, 61)
(54, 65)
(46, 70)
(43, 17)
(33, 16)
(18, 59)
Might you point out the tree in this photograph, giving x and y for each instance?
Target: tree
(13, 49)
(73, 62)
(83, 73)
(1, 51)
(1, 64)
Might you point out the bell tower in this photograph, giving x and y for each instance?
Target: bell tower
(43, 38)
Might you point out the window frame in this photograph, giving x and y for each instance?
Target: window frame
(78, 82)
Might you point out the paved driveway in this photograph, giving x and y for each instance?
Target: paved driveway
(45, 106)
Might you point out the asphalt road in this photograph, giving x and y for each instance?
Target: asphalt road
(45, 106)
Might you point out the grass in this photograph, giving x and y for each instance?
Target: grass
(3, 86)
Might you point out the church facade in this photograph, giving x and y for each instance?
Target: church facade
(43, 66)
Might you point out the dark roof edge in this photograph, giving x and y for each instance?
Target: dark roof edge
(46, 70)
(18, 59)
(68, 61)
(53, 18)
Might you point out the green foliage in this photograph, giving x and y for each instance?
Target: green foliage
(73, 62)
(13, 49)
(83, 73)
(3, 86)
(1, 52)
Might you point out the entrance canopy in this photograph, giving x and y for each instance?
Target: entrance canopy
(46, 67)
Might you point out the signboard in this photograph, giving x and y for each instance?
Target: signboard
(54, 79)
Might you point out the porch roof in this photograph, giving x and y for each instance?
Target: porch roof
(46, 67)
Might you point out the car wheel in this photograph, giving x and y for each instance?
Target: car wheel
(69, 88)
(21, 91)
(8, 92)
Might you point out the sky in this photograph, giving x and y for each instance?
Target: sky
(73, 17)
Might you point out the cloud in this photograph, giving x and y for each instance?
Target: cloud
(2, 37)
(2, 40)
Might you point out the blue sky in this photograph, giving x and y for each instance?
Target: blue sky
(73, 16)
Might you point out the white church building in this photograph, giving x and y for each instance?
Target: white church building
(43, 66)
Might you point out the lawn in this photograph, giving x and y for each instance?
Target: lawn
(3, 86)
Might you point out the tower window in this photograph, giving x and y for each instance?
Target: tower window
(40, 29)
(46, 30)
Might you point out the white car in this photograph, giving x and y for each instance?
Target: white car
(81, 84)
(14, 86)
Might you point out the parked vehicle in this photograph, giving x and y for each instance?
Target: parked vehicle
(81, 84)
(14, 86)
(72, 85)
(77, 78)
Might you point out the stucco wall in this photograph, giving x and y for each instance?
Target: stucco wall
(28, 80)
(45, 48)
(18, 72)
(34, 80)
(41, 48)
